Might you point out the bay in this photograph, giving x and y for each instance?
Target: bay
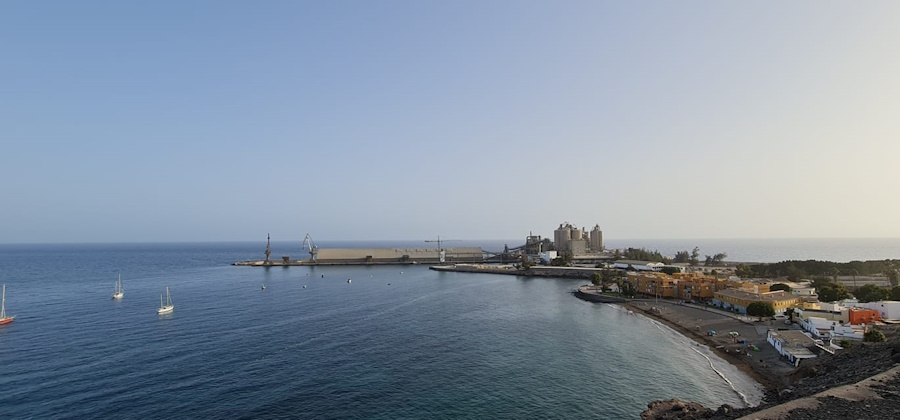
(397, 342)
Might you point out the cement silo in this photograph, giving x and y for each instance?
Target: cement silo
(596, 238)
(561, 237)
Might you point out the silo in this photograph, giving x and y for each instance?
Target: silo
(596, 238)
(575, 233)
(561, 238)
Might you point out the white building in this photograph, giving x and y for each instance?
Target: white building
(887, 309)
(638, 265)
(829, 329)
(794, 345)
(547, 256)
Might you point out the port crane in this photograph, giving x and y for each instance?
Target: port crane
(311, 247)
(439, 241)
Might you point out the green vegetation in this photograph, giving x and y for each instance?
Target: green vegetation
(895, 293)
(715, 260)
(627, 288)
(780, 286)
(874, 336)
(669, 270)
(831, 292)
(760, 309)
(814, 268)
(563, 260)
(871, 293)
(845, 343)
(743, 271)
(642, 254)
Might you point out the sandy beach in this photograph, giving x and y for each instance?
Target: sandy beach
(766, 366)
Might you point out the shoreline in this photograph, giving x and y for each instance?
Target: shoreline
(761, 372)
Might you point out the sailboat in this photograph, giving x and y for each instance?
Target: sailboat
(120, 292)
(168, 307)
(3, 318)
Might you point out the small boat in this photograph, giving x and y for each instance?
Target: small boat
(348, 280)
(3, 318)
(168, 307)
(304, 286)
(120, 292)
(264, 287)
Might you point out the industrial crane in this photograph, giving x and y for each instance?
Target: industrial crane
(310, 246)
(442, 254)
(439, 240)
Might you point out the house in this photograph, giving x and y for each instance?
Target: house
(794, 345)
(831, 329)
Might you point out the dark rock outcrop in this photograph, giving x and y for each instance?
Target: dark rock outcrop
(676, 409)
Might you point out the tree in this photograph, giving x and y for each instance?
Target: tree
(871, 293)
(780, 286)
(596, 279)
(715, 260)
(695, 256)
(895, 293)
(628, 289)
(760, 309)
(669, 270)
(893, 276)
(789, 313)
(832, 292)
(795, 273)
(682, 257)
(743, 271)
(874, 336)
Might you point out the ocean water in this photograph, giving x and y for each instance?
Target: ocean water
(396, 343)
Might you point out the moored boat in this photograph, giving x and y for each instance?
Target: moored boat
(3, 318)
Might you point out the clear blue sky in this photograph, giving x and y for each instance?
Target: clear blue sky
(220, 120)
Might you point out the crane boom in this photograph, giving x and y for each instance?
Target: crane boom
(311, 247)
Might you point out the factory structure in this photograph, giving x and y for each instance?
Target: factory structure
(579, 243)
(575, 241)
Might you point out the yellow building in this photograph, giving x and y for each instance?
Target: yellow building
(739, 300)
(680, 286)
(654, 284)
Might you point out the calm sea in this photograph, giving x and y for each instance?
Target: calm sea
(397, 342)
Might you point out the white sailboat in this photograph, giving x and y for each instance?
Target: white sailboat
(120, 292)
(168, 307)
(3, 318)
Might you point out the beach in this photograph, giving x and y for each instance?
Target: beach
(764, 365)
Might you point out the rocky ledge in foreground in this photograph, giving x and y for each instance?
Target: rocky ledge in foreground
(817, 390)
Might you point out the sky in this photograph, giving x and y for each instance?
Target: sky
(365, 120)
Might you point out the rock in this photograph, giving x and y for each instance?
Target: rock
(675, 409)
(724, 410)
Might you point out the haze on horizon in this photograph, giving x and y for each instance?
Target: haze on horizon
(209, 120)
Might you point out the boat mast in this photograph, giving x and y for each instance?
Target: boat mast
(3, 304)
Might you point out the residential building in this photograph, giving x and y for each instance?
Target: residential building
(739, 300)
(794, 345)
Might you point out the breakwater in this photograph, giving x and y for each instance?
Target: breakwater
(543, 271)
(376, 256)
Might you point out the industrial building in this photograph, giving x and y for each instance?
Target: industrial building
(577, 241)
